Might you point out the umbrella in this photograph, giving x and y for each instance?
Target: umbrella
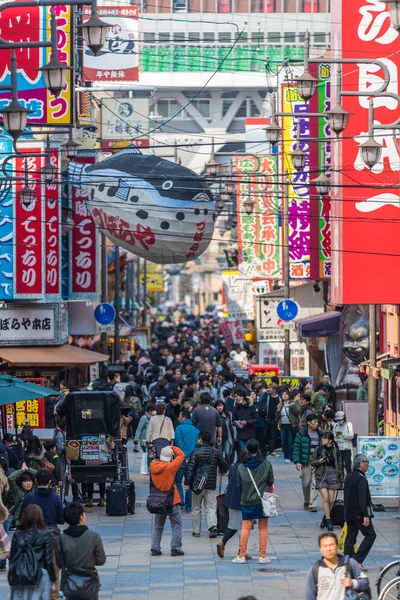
(13, 389)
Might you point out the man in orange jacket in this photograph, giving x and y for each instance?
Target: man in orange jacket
(162, 473)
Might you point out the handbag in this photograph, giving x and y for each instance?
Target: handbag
(143, 465)
(48, 465)
(268, 500)
(78, 583)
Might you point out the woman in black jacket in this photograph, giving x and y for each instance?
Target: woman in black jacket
(33, 531)
(245, 417)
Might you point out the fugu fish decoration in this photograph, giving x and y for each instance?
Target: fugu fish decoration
(150, 206)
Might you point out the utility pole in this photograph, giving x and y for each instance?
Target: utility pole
(144, 290)
(286, 272)
(372, 399)
(103, 295)
(117, 305)
(138, 289)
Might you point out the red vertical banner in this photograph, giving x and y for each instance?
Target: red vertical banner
(365, 206)
(29, 228)
(53, 229)
(84, 257)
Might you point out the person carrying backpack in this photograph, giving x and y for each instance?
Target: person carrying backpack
(31, 563)
(201, 477)
(162, 478)
(333, 574)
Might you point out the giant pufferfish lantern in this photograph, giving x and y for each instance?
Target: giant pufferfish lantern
(150, 206)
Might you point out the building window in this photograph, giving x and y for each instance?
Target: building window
(319, 37)
(209, 36)
(310, 6)
(179, 37)
(149, 38)
(165, 108)
(227, 100)
(224, 6)
(164, 37)
(290, 37)
(224, 37)
(203, 105)
(247, 109)
(180, 6)
(194, 36)
(257, 37)
(274, 37)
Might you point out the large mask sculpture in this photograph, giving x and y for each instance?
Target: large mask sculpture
(150, 206)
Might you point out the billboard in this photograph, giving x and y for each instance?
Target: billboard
(29, 263)
(238, 295)
(118, 60)
(124, 118)
(365, 208)
(259, 233)
(6, 222)
(383, 472)
(299, 193)
(33, 24)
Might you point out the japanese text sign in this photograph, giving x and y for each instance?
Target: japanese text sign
(6, 223)
(119, 58)
(299, 195)
(238, 295)
(53, 230)
(84, 255)
(259, 233)
(27, 324)
(33, 24)
(32, 411)
(29, 228)
(365, 216)
(125, 118)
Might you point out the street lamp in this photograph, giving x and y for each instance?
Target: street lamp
(371, 152)
(248, 205)
(306, 85)
(212, 167)
(71, 147)
(273, 132)
(394, 9)
(55, 72)
(14, 115)
(230, 186)
(298, 159)
(338, 118)
(49, 171)
(94, 31)
(322, 184)
(219, 203)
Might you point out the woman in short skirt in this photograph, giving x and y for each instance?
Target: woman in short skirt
(329, 475)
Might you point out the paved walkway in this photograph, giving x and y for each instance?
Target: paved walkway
(131, 573)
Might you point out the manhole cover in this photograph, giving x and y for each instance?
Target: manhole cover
(277, 570)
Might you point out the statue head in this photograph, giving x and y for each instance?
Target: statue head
(356, 340)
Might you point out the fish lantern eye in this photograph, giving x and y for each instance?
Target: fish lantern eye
(167, 185)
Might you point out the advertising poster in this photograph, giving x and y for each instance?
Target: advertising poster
(6, 222)
(119, 58)
(365, 203)
(259, 233)
(28, 410)
(124, 118)
(94, 448)
(33, 24)
(299, 193)
(238, 294)
(383, 454)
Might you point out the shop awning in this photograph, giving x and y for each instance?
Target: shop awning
(321, 325)
(50, 356)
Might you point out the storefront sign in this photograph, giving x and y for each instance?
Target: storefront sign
(320, 160)
(273, 353)
(119, 57)
(84, 255)
(124, 118)
(365, 213)
(29, 228)
(299, 194)
(32, 411)
(31, 325)
(383, 475)
(53, 231)
(33, 24)
(259, 233)
(6, 223)
(238, 295)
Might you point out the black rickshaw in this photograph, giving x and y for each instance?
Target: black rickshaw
(94, 451)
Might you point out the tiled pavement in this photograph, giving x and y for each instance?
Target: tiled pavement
(131, 573)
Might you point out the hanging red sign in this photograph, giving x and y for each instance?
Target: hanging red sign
(84, 244)
(29, 226)
(53, 230)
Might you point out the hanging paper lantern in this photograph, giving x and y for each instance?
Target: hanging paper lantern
(150, 206)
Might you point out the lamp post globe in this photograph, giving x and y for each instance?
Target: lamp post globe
(229, 186)
(273, 132)
(212, 168)
(338, 118)
(298, 159)
(49, 171)
(94, 33)
(322, 184)
(71, 147)
(306, 85)
(26, 196)
(15, 117)
(55, 76)
(248, 206)
(394, 10)
(219, 203)
(371, 152)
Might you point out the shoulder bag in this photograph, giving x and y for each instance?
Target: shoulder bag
(268, 500)
(159, 502)
(78, 583)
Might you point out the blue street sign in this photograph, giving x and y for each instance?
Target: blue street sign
(104, 313)
(287, 310)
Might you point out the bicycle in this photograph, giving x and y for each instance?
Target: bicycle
(391, 591)
(390, 572)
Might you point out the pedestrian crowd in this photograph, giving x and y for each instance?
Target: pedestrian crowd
(194, 421)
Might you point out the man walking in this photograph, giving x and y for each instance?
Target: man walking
(186, 435)
(306, 441)
(271, 402)
(207, 418)
(204, 455)
(332, 575)
(358, 510)
(162, 473)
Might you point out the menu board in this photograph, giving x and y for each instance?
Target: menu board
(383, 454)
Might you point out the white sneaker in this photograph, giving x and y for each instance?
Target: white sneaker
(264, 560)
(239, 560)
(287, 460)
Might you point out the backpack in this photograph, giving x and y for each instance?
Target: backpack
(159, 502)
(155, 447)
(202, 474)
(24, 569)
(315, 568)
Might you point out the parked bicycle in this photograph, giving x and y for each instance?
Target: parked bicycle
(391, 591)
(390, 572)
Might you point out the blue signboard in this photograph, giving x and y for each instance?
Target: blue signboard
(287, 310)
(6, 222)
(104, 313)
